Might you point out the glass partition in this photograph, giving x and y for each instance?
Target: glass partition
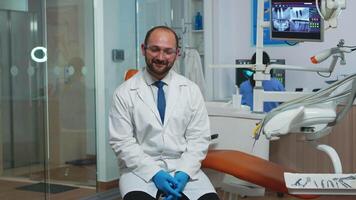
(22, 100)
(71, 96)
(47, 109)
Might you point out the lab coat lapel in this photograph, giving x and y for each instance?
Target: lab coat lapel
(145, 94)
(172, 97)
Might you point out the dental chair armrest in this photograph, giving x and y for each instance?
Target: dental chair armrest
(214, 139)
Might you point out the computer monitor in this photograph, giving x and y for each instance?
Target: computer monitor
(296, 20)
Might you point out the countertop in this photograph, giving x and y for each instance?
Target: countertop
(226, 110)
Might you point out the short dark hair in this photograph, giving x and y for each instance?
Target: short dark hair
(265, 58)
(148, 34)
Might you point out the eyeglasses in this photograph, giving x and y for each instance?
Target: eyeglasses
(155, 50)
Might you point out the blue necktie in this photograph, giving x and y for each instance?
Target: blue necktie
(161, 100)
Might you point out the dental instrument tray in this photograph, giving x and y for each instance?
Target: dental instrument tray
(320, 184)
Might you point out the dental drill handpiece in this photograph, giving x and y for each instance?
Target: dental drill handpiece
(256, 134)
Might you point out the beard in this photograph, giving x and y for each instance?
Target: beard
(158, 68)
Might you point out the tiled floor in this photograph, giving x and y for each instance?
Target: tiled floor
(68, 174)
(83, 177)
(8, 191)
(74, 175)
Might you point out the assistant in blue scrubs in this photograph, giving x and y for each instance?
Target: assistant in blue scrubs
(246, 87)
(246, 91)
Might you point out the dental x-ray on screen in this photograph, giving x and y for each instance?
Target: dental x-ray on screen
(296, 20)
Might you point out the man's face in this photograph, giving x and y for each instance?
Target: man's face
(160, 52)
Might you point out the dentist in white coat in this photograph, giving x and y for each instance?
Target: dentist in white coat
(159, 128)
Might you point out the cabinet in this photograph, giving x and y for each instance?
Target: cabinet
(192, 60)
(198, 41)
(197, 35)
(194, 38)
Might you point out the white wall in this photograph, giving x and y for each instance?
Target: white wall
(232, 40)
(151, 13)
(226, 30)
(114, 29)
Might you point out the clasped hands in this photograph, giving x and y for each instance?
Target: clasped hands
(171, 186)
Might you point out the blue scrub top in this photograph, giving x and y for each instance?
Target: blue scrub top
(268, 85)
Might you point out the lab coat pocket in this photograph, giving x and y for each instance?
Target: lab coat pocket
(180, 118)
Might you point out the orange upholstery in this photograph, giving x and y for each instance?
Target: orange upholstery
(250, 168)
(130, 73)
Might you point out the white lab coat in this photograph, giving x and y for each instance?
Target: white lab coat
(194, 69)
(144, 145)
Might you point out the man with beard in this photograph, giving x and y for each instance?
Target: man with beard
(159, 128)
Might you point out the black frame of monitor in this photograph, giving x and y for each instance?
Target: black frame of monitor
(296, 36)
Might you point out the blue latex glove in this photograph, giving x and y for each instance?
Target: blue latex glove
(166, 183)
(182, 178)
(170, 197)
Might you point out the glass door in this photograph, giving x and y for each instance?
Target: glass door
(22, 106)
(71, 96)
(47, 105)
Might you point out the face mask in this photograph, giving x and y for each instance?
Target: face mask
(247, 73)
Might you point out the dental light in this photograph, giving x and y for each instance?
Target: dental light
(329, 10)
(336, 52)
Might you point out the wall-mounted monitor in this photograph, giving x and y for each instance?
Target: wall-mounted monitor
(296, 20)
